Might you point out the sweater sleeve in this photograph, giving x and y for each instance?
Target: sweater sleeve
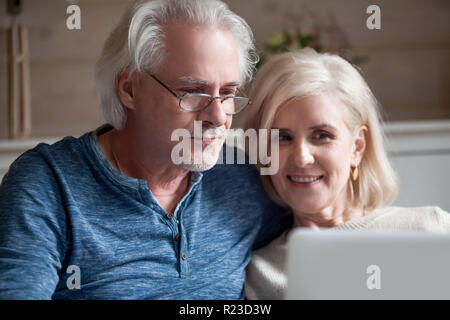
(266, 276)
(32, 229)
(443, 219)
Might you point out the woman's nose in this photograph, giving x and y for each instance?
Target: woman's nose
(302, 155)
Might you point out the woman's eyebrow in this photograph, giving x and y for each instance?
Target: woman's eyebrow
(323, 126)
(281, 128)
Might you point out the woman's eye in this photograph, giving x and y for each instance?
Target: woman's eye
(284, 137)
(322, 136)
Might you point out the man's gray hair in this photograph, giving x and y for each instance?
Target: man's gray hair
(137, 43)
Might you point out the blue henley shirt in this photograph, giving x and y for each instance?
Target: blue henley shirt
(64, 206)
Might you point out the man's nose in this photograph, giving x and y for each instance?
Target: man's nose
(303, 155)
(214, 114)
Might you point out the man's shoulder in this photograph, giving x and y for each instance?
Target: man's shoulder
(241, 185)
(235, 159)
(67, 147)
(233, 168)
(41, 161)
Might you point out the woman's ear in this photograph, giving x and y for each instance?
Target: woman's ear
(125, 88)
(359, 145)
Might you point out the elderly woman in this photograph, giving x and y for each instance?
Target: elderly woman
(333, 169)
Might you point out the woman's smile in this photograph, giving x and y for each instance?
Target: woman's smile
(304, 181)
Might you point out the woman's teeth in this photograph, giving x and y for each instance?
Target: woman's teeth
(304, 180)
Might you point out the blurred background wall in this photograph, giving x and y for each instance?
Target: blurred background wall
(408, 64)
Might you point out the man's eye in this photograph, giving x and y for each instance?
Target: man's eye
(191, 90)
(228, 92)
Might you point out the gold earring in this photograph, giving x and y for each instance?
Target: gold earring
(355, 173)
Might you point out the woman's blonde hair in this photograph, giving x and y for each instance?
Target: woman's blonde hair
(306, 73)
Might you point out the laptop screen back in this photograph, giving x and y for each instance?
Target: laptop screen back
(368, 265)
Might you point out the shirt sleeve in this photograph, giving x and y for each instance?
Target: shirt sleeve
(32, 229)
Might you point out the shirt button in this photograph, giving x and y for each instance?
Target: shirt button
(169, 215)
(177, 237)
(184, 256)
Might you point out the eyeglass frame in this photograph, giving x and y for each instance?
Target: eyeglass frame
(210, 100)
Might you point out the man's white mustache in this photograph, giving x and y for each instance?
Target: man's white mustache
(218, 132)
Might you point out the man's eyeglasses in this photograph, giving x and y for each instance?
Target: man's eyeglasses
(200, 101)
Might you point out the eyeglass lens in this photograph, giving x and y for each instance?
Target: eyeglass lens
(193, 102)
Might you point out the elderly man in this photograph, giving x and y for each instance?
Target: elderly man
(111, 215)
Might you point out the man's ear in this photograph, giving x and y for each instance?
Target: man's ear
(125, 88)
(359, 145)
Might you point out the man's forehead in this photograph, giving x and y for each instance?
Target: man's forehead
(206, 57)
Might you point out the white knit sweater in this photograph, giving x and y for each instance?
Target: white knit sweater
(266, 273)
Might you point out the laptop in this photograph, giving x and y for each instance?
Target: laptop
(367, 265)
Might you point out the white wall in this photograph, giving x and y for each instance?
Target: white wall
(420, 153)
